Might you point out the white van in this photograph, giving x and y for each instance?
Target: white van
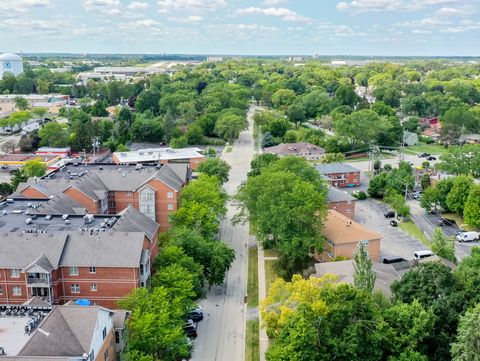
(467, 236)
(423, 254)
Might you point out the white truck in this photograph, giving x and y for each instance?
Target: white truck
(467, 236)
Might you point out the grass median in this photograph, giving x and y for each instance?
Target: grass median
(410, 228)
(252, 341)
(252, 285)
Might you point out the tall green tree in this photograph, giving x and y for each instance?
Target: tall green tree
(443, 246)
(472, 207)
(364, 276)
(215, 167)
(467, 344)
(457, 197)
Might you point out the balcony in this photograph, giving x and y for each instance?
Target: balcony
(39, 281)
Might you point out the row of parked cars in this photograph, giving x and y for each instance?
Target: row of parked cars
(190, 327)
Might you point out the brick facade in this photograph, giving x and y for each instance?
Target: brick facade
(104, 287)
(347, 208)
(342, 180)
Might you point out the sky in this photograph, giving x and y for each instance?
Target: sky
(243, 27)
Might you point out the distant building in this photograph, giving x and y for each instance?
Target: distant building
(190, 156)
(340, 175)
(410, 139)
(343, 236)
(305, 150)
(341, 201)
(22, 159)
(10, 63)
(470, 138)
(215, 59)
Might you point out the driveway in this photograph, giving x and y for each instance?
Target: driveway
(221, 335)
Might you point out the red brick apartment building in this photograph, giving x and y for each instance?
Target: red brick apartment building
(102, 267)
(341, 201)
(154, 192)
(340, 175)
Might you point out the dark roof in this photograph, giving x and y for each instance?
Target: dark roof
(170, 177)
(132, 220)
(66, 331)
(61, 204)
(330, 168)
(336, 195)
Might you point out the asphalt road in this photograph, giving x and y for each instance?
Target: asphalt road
(221, 335)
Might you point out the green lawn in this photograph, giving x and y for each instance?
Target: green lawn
(460, 222)
(252, 341)
(252, 285)
(427, 148)
(270, 273)
(410, 228)
(270, 253)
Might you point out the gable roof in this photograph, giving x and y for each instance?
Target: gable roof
(61, 204)
(41, 264)
(337, 195)
(330, 168)
(66, 331)
(168, 176)
(342, 230)
(132, 220)
(21, 250)
(103, 249)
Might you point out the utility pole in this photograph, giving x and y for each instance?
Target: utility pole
(406, 192)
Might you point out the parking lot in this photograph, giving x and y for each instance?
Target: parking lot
(394, 243)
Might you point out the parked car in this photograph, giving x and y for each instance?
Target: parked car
(431, 158)
(393, 223)
(417, 195)
(423, 254)
(446, 222)
(389, 214)
(389, 260)
(467, 236)
(424, 155)
(195, 315)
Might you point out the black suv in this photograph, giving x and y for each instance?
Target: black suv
(389, 214)
(446, 222)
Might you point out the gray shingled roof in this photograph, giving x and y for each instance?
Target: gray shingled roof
(61, 204)
(126, 180)
(167, 175)
(67, 331)
(20, 250)
(105, 249)
(132, 220)
(336, 168)
(337, 195)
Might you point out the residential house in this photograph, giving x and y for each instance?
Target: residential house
(305, 150)
(385, 274)
(342, 237)
(410, 139)
(73, 333)
(341, 201)
(340, 175)
(470, 138)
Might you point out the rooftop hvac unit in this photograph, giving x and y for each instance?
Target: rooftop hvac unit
(64, 217)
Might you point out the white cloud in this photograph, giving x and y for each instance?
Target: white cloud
(283, 13)
(275, 2)
(137, 5)
(359, 6)
(23, 5)
(451, 11)
(190, 5)
(189, 19)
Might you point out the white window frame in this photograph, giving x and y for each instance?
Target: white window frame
(73, 271)
(15, 273)
(93, 287)
(170, 206)
(16, 291)
(92, 269)
(75, 288)
(170, 195)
